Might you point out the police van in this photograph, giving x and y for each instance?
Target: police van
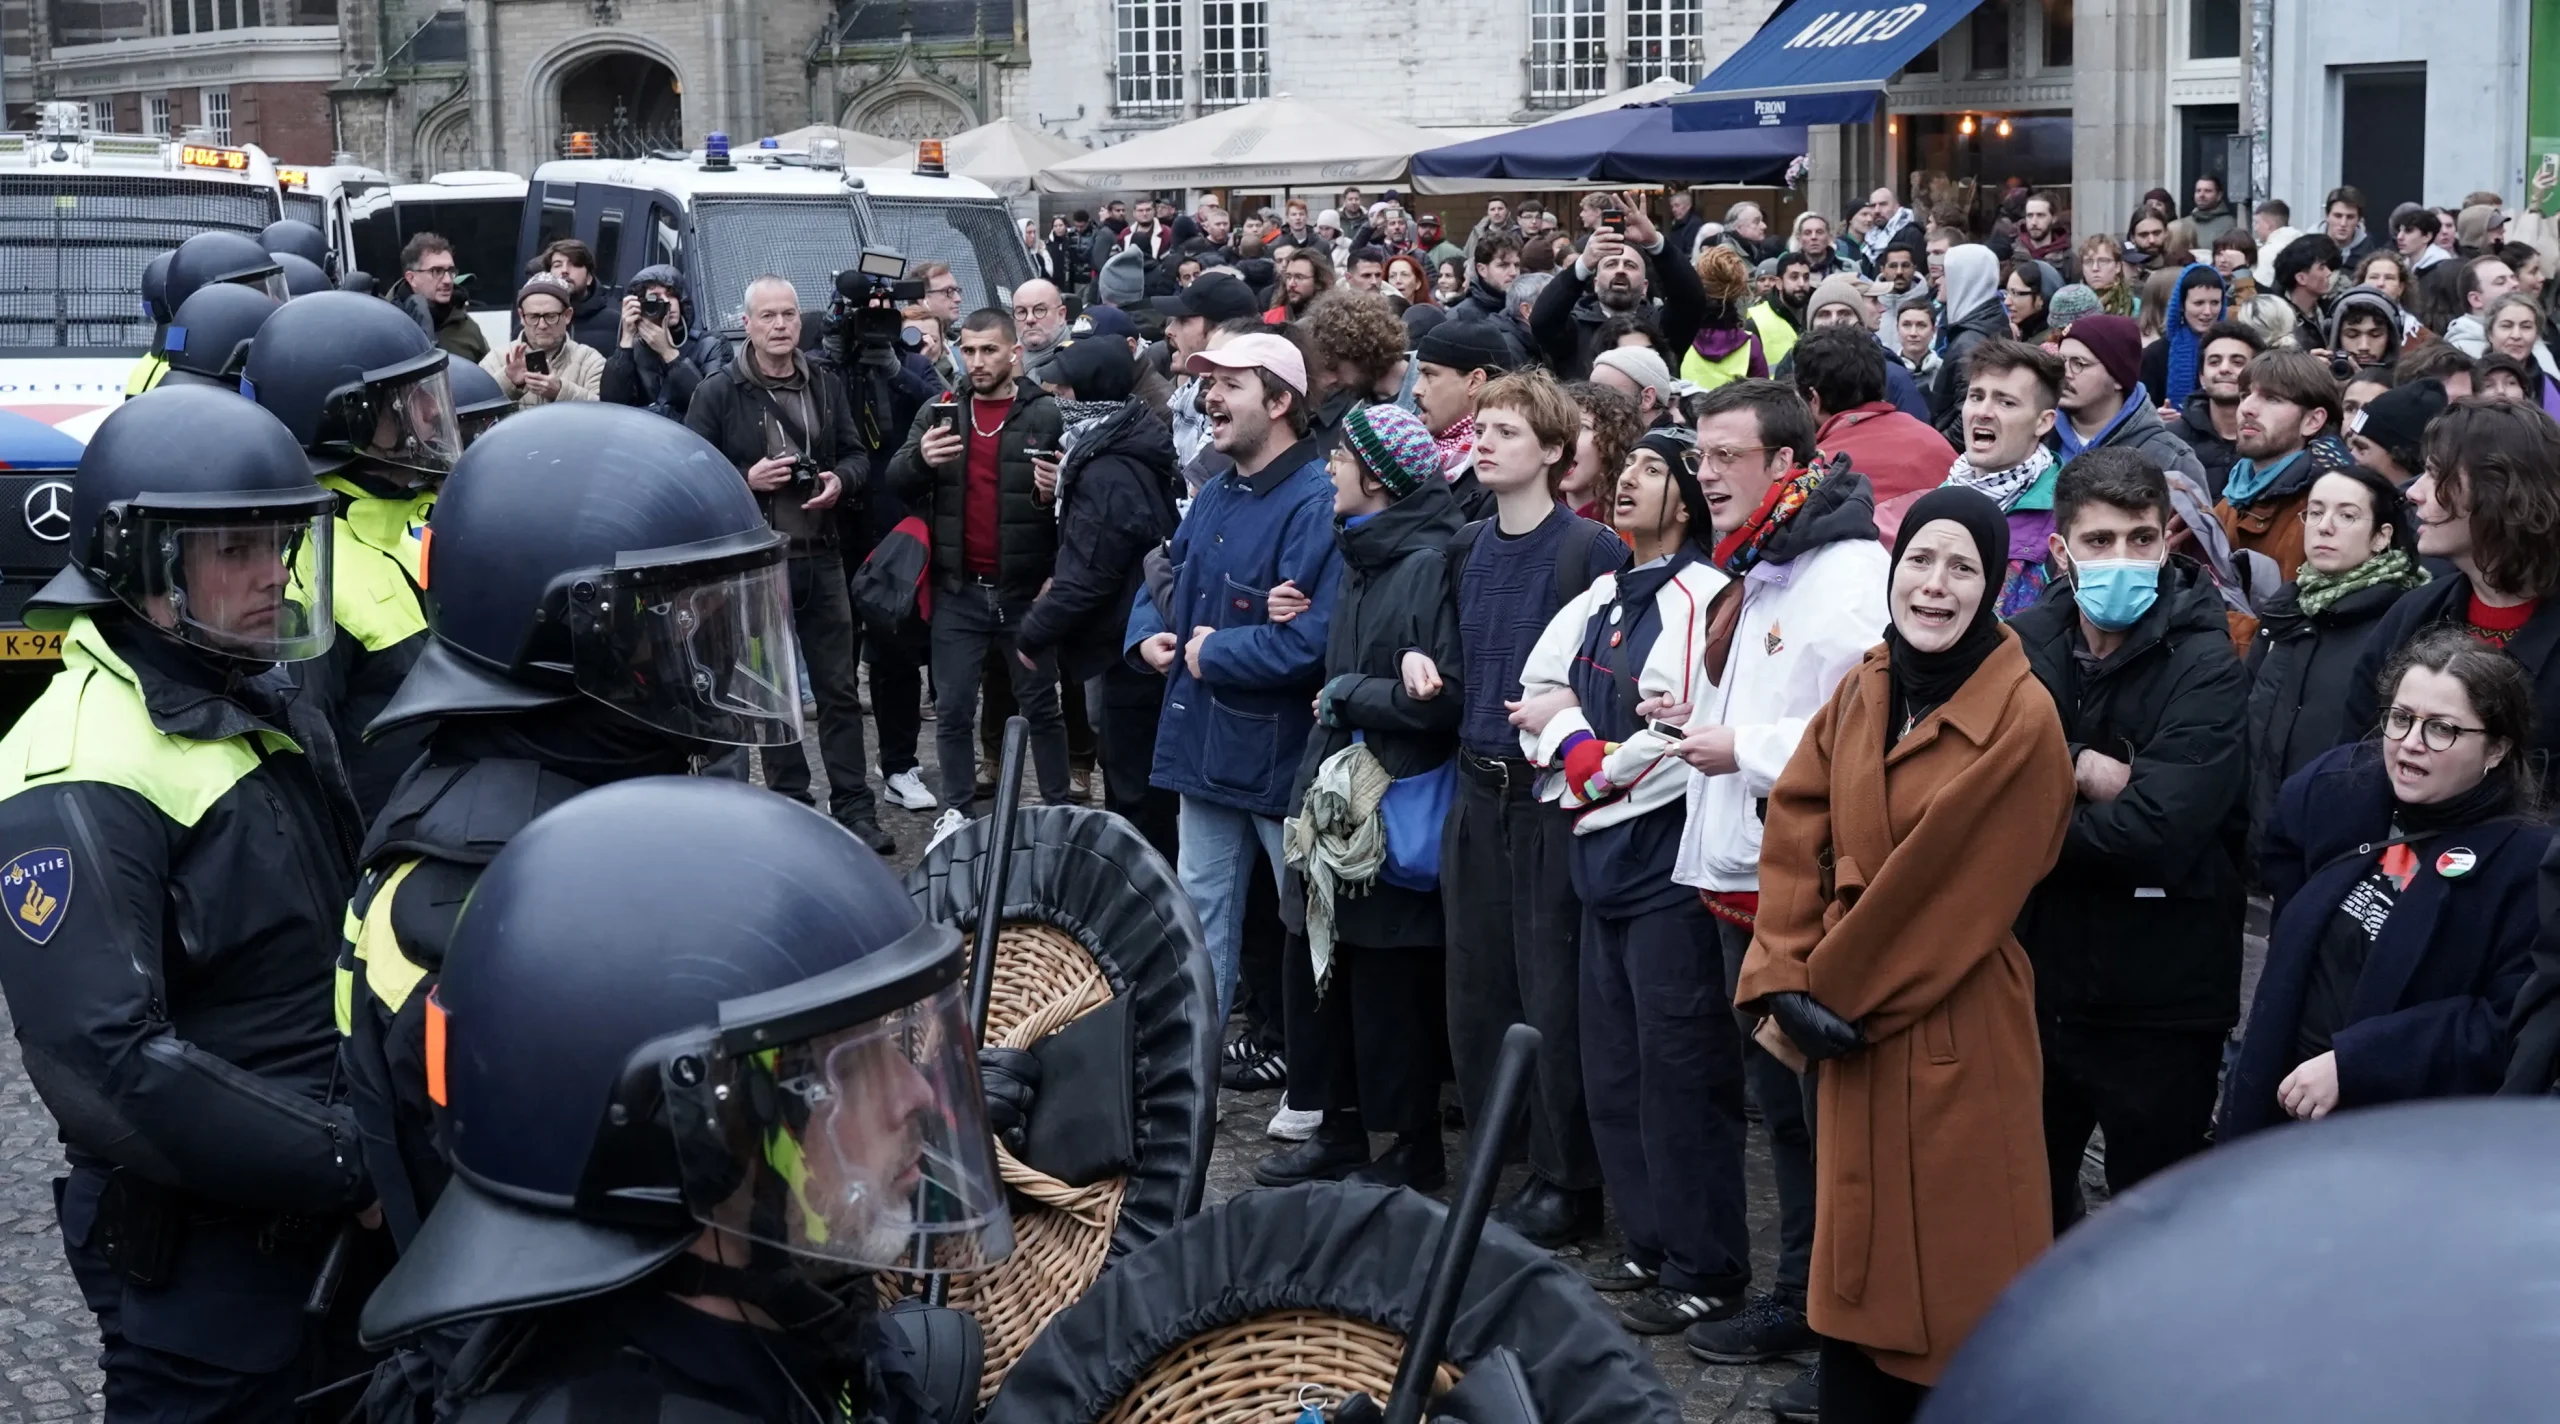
(724, 220)
(81, 215)
(478, 211)
(329, 196)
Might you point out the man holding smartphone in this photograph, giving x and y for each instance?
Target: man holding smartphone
(968, 467)
(546, 365)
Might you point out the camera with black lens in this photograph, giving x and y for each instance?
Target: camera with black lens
(869, 295)
(806, 478)
(653, 307)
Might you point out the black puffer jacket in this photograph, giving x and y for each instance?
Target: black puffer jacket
(2300, 669)
(1393, 596)
(2194, 427)
(1116, 494)
(1026, 533)
(2140, 921)
(637, 375)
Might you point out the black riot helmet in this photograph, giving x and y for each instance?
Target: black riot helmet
(155, 288)
(195, 510)
(2292, 1278)
(302, 278)
(295, 236)
(585, 549)
(781, 1054)
(208, 340)
(478, 400)
(355, 379)
(210, 257)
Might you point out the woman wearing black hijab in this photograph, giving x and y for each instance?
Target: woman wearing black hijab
(1926, 800)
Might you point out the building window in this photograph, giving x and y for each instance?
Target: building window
(2057, 34)
(1568, 50)
(1235, 52)
(1150, 51)
(1989, 41)
(217, 114)
(155, 116)
(199, 17)
(1665, 40)
(2213, 29)
(102, 116)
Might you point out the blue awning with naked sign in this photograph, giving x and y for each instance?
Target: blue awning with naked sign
(1815, 62)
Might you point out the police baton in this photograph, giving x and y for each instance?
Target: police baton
(991, 892)
(333, 1272)
(1458, 1239)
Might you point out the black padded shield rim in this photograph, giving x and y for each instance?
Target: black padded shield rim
(1355, 1251)
(1091, 874)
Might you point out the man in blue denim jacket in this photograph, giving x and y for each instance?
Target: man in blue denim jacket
(1240, 689)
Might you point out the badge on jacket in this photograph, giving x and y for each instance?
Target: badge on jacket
(36, 887)
(1774, 641)
(2456, 863)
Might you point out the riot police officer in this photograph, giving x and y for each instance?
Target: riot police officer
(301, 278)
(150, 366)
(208, 340)
(478, 400)
(210, 257)
(532, 694)
(366, 393)
(705, 1066)
(301, 239)
(176, 846)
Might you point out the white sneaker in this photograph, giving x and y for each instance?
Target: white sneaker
(947, 827)
(906, 789)
(1291, 1125)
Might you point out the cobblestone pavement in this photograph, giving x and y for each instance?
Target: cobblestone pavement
(48, 1342)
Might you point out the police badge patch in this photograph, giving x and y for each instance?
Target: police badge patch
(35, 888)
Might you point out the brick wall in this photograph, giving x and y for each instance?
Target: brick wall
(290, 121)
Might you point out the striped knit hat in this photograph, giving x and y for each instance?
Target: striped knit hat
(1393, 447)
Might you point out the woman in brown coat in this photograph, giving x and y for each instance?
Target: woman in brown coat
(1926, 799)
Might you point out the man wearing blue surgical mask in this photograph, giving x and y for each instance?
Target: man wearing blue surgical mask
(2135, 935)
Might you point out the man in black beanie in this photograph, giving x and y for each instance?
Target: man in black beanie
(1452, 364)
(2388, 433)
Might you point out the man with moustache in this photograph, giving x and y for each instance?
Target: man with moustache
(1616, 274)
(2210, 424)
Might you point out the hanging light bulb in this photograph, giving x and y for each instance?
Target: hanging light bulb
(2003, 129)
(1966, 128)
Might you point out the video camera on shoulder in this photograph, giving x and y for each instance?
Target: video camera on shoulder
(869, 296)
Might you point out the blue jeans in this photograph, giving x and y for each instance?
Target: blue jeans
(1217, 854)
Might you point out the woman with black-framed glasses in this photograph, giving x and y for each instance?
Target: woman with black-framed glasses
(2404, 872)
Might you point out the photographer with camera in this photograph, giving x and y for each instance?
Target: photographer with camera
(546, 365)
(788, 426)
(661, 359)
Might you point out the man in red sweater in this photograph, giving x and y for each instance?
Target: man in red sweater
(1840, 372)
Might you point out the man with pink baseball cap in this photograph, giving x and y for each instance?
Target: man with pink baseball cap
(1240, 686)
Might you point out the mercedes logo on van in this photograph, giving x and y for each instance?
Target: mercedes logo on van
(48, 511)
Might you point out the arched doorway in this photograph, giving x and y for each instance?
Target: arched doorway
(630, 102)
(907, 113)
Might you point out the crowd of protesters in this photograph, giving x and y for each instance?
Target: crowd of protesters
(1851, 676)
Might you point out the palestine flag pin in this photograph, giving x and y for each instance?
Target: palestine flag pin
(2456, 863)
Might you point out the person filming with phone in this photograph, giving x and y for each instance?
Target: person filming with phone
(546, 365)
(662, 357)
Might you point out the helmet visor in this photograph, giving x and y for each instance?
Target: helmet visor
(252, 584)
(269, 280)
(696, 641)
(864, 1146)
(405, 417)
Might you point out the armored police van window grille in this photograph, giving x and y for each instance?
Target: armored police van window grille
(302, 207)
(72, 249)
(741, 239)
(1664, 40)
(977, 239)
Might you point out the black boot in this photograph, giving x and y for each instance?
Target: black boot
(1329, 1156)
(1549, 1215)
(1413, 1162)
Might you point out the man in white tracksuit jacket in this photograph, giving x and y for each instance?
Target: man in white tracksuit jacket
(1799, 538)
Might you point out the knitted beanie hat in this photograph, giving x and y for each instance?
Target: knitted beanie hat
(2070, 304)
(1393, 446)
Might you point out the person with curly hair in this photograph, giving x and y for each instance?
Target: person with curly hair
(1738, 338)
(1358, 347)
(1610, 425)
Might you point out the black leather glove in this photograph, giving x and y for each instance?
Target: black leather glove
(1011, 1077)
(1817, 1033)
